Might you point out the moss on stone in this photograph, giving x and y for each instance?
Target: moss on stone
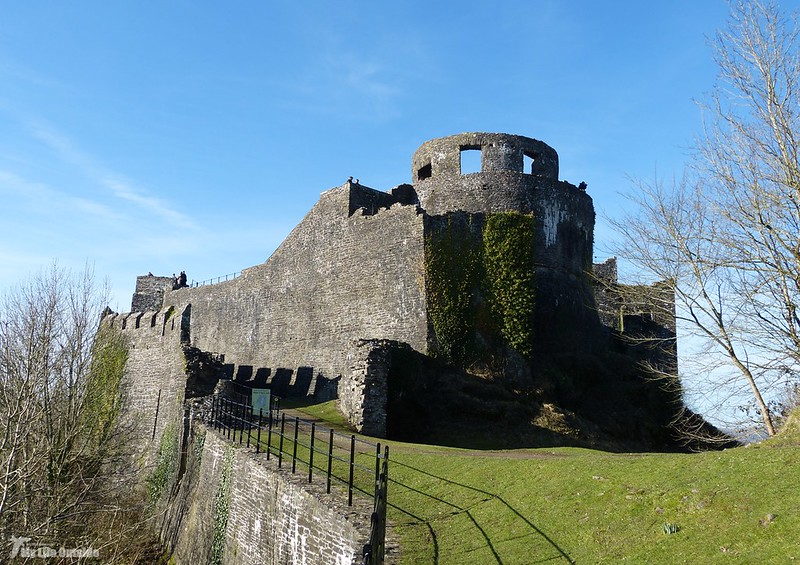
(103, 397)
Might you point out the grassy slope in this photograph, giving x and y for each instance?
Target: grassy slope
(452, 506)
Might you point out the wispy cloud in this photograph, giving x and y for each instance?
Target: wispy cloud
(14, 72)
(118, 185)
(42, 197)
(366, 76)
(344, 83)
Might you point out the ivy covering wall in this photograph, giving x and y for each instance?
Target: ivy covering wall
(480, 285)
(509, 276)
(453, 273)
(166, 464)
(222, 503)
(102, 399)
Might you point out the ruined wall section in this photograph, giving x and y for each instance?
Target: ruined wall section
(338, 276)
(618, 303)
(149, 293)
(154, 382)
(363, 391)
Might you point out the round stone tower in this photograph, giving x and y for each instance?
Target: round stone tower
(508, 164)
(484, 173)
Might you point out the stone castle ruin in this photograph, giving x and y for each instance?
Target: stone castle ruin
(458, 300)
(462, 309)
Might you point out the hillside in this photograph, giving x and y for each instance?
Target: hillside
(454, 506)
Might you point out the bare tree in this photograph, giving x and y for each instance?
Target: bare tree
(60, 394)
(728, 234)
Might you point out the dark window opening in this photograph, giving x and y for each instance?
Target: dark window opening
(424, 172)
(528, 163)
(471, 157)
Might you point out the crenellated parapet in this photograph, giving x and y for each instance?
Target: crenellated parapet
(152, 323)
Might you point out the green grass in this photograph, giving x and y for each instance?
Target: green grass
(454, 506)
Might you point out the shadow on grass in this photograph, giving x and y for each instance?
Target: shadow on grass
(466, 510)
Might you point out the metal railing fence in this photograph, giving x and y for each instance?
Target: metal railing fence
(215, 280)
(355, 464)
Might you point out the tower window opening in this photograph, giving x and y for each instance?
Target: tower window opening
(528, 163)
(471, 158)
(424, 172)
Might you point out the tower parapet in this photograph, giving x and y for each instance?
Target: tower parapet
(499, 152)
(512, 168)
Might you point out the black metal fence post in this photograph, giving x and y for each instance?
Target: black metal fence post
(294, 446)
(280, 446)
(258, 436)
(384, 505)
(249, 411)
(377, 467)
(239, 421)
(269, 436)
(352, 469)
(330, 460)
(311, 452)
(228, 421)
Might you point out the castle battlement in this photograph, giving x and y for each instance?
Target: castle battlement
(151, 323)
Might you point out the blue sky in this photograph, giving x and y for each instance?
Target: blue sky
(144, 136)
(178, 135)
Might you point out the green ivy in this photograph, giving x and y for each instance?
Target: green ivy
(199, 442)
(103, 397)
(452, 266)
(166, 463)
(222, 502)
(481, 285)
(508, 260)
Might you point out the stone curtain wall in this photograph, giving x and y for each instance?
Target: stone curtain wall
(337, 277)
(155, 363)
(235, 507)
(213, 501)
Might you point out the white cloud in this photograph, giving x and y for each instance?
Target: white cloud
(42, 198)
(117, 184)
